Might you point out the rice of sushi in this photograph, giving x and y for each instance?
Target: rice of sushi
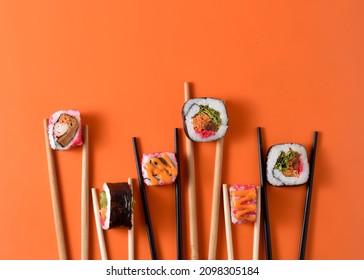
(119, 201)
(213, 122)
(280, 171)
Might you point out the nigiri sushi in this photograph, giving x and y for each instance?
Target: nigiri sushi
(243, 203)
(116, 206)
(287, 165)
(205, 119)
(159, 168)
(64, 130)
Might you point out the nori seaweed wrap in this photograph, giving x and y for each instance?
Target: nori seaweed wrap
(116, 203)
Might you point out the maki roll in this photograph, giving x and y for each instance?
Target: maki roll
(204, 119)
(159, 168)
(243, 202)
(64, 130)
(287, 164)
(116, 206)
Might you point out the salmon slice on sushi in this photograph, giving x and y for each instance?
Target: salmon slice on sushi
(116, 206)
(287, 165)
(243, 202)
(159, 168)
(205, 119)
(64, 130)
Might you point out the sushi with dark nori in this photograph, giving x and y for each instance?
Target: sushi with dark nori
(116, 206)
(64, 130)
(159, 168)
(287, 165)
(204, 119)
(243, 203)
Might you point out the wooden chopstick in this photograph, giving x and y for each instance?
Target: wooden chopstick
(148, 222)
(257, 226)
(99, 230)
(55, 196)
(192, 208)
(178, 199)
(229, 239)
(85, 198)
(131, 231)
(306, 215)
(264, 198)
(216, 199)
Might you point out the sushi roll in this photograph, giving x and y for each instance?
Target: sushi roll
(64, 130)
(287, 165)
(243, 203)
(204, 119)
(116, 206)
(159, 168)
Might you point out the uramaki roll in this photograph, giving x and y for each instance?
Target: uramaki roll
(64, 130)
(159, 168)
(287, 165)
(204, 119)
(116, 206)
(243, 203)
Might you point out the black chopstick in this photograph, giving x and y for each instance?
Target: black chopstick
(143, 194)
(306, 215)
(264, 198)
(178, 199)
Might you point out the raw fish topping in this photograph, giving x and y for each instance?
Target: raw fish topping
(160, 170)
(243, 203)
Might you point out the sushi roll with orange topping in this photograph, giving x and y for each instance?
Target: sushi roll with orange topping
(64, 130)
(243, 202)
(287, 165)
(116, 206)
(205, 119)
(159, 168)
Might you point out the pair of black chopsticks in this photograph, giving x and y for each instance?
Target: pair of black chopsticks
(145, 206)
(306, 215)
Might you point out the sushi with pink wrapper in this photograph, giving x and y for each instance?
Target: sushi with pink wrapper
(205, 119)
(243, 203)
(159, 168)
(287, 165)
(64, 130)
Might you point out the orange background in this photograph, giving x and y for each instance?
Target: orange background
(291, 67)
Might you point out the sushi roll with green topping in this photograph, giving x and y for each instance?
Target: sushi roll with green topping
(287, 165)
(205, 119)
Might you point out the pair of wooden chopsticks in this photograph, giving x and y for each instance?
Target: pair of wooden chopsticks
(192, 194)
(100, 234)
(229, 239)
(306, 215)
(145, 206)
(57, 213)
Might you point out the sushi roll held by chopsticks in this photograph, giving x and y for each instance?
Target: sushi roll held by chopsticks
(244, 208)
(114, 211)
(116, 206)
(159, 168)
(243, 201)
(64, 130)
(205, 119)
(287, 165)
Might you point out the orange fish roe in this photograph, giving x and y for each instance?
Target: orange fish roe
(201, 121)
